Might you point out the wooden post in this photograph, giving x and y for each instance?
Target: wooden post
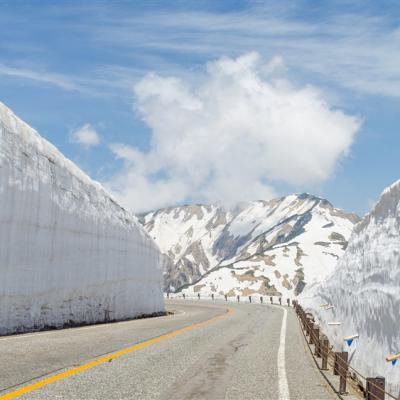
(198, 295)
(336, 365)
(316, 342)
(324, 352)
(261, 299)
(212, 296)
(250, 299)
(310, 332)
(288, 302)
(272, 300)
(280, 300)
(167, 295)
(183, 294)
(375, 389)
(238, 298)
(226, 298)
(342, 368)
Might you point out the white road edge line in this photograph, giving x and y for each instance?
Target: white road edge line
(282, 378)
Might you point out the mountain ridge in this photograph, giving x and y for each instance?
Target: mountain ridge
(202, 239)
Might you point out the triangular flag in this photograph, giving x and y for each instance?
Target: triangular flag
(349, 341)
(394, 361)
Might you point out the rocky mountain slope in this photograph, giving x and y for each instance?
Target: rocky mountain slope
(260, 247)
(365, 291)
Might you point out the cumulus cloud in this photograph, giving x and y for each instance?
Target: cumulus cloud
(231, 137)
(86, 135)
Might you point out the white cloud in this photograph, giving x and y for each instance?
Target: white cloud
(231, 137)
(86, 135)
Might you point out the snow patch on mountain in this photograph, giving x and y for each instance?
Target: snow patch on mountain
(261, 247)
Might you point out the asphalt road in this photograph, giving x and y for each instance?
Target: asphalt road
(245, 353)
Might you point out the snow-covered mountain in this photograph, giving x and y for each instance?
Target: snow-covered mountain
(69, 253)
(261, 247)
(365, 291)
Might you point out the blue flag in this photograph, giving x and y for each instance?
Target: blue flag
(349, 341)
(394, 361)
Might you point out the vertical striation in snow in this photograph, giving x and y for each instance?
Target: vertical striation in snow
(69, 253)
(365, 290)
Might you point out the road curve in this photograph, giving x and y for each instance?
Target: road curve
(199, 352)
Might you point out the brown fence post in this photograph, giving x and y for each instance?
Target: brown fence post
(184, 296)
(226, 298)
(342, 367)
(238, 298)
(280, 300)
(212, 296)
(375, 389)
(272, 300)
(336, 365)
(288, 302)
(317, 353)
(310, 332)
(324, 352)
(250, 299)
(261, 299)
(167, 295)
(198, 296)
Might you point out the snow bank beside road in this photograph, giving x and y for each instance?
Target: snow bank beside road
(69, 253)
(365, 290)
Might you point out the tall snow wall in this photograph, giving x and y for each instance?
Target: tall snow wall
(365, 291)
(69, 253)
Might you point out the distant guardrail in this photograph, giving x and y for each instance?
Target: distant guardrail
(246, 299)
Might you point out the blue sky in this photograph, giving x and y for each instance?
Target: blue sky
(66, 64)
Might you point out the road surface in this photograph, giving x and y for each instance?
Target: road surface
(203, 351)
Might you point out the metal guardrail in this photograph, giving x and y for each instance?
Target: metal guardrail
(250, 299)
(373, 388)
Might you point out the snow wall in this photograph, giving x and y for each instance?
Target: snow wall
(69, 253)
(365, 291)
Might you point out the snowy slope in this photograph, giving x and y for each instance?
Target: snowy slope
(69, 253)
(261, 247)
(365, 290)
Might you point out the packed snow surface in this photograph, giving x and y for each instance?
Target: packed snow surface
(271, 247)
(365, 292)
(69, 253)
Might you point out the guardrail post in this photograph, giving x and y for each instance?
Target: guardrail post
(250, 299)
(226, 298)
(212, 296)
(288, 302)
(261, 299)
(316, 342)
(324, 352)
(336, 365)
(375, 388)
(280, 300)
(238, 298)
(343, 367)
(310, 332)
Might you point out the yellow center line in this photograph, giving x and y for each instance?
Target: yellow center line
(117, 354)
